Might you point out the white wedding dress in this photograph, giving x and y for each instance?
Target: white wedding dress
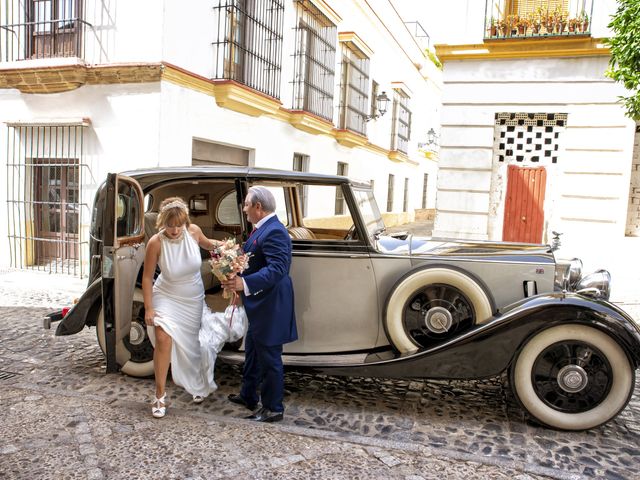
(178, 299)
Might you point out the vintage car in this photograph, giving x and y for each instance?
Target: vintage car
(375, 305)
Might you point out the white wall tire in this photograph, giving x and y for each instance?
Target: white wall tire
(136, 367)
(605, 390)
(410, 287)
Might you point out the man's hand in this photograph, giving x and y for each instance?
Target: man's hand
(233, 284)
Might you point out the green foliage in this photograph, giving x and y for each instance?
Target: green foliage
(434, 59)
(624, 66)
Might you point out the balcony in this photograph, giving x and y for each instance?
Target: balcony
(41, 29)
(505, 19)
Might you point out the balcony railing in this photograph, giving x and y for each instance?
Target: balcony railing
(537, 18)
(55, 28)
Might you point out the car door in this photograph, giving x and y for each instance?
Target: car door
(336, 296)
(122, 258)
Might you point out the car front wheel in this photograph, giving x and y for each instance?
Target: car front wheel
(572, 377)
(431, 305)
(137, 343)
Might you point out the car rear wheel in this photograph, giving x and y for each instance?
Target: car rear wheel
(431, 305)
(137, 342)
(572, 377)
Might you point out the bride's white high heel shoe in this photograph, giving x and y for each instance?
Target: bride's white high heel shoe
(159, 408)
(198, 399)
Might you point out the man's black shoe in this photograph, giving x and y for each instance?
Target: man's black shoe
(266, 415)
(234, 398)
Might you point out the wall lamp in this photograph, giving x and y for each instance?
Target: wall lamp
(382, 102)
(432, 140)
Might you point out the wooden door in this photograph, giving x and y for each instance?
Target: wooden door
(56, 208)
(523, 211)
(54, 28)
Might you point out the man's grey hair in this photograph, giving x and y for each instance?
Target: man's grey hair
(264, 196)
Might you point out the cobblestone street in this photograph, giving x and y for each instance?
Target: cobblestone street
(64, 418)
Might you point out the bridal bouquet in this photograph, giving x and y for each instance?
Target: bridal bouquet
(228, 260)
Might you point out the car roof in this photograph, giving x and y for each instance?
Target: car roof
(150, 177)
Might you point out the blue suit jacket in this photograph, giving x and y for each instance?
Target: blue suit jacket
(270, 307)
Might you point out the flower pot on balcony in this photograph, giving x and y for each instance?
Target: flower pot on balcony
(548, 27)
(585, 26)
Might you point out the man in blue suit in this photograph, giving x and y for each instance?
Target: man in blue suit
(267, 294)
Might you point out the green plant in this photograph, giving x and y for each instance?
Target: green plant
(432, 56)
(624, 65)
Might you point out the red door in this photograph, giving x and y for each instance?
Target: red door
(523, 210)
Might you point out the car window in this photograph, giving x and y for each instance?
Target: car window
(325, 207)
(128, 209)
(281, 203)
(227, 212)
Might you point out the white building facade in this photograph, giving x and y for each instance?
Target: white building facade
(87, 89)
(533, 138)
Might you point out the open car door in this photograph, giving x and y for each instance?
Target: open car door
(122, 258)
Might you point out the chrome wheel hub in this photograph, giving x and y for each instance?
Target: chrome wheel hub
(136, 334)
(572, 378)
(438, 320)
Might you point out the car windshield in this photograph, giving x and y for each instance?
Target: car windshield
(369, 211)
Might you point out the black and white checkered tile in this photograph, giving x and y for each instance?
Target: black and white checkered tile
(528, 137)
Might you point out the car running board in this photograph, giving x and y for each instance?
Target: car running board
(236, 358)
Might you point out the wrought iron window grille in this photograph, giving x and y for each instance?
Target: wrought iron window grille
(401, 122)
(354, 95)
(248, 47)
(46, 171)
(314, 60)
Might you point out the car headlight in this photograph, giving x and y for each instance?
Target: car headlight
(568, 274)
(596, 284)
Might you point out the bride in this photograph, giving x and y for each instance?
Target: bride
(174, 305)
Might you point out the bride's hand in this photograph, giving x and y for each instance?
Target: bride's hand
(149, 315)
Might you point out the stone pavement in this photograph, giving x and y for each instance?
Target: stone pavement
(62, 417)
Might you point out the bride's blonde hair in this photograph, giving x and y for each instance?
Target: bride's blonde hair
(173, 208)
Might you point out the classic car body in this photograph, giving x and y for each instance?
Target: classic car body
(369, 304)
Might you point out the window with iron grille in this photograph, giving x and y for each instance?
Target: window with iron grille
(390, 193)
(401, 122)
(425, 182)
(405, 198)
(45, 174)
(248, 48)
(314, 60)
(40, 29)
(343, 169)
(354, 87)
(301, 164)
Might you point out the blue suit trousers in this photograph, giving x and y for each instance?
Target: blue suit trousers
(263, 369)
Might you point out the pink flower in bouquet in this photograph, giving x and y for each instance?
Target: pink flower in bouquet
(228, 260)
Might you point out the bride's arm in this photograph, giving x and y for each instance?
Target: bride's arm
(203, 241)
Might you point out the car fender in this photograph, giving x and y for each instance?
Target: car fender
(488, 349)
(82, 312)
(474, 288)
